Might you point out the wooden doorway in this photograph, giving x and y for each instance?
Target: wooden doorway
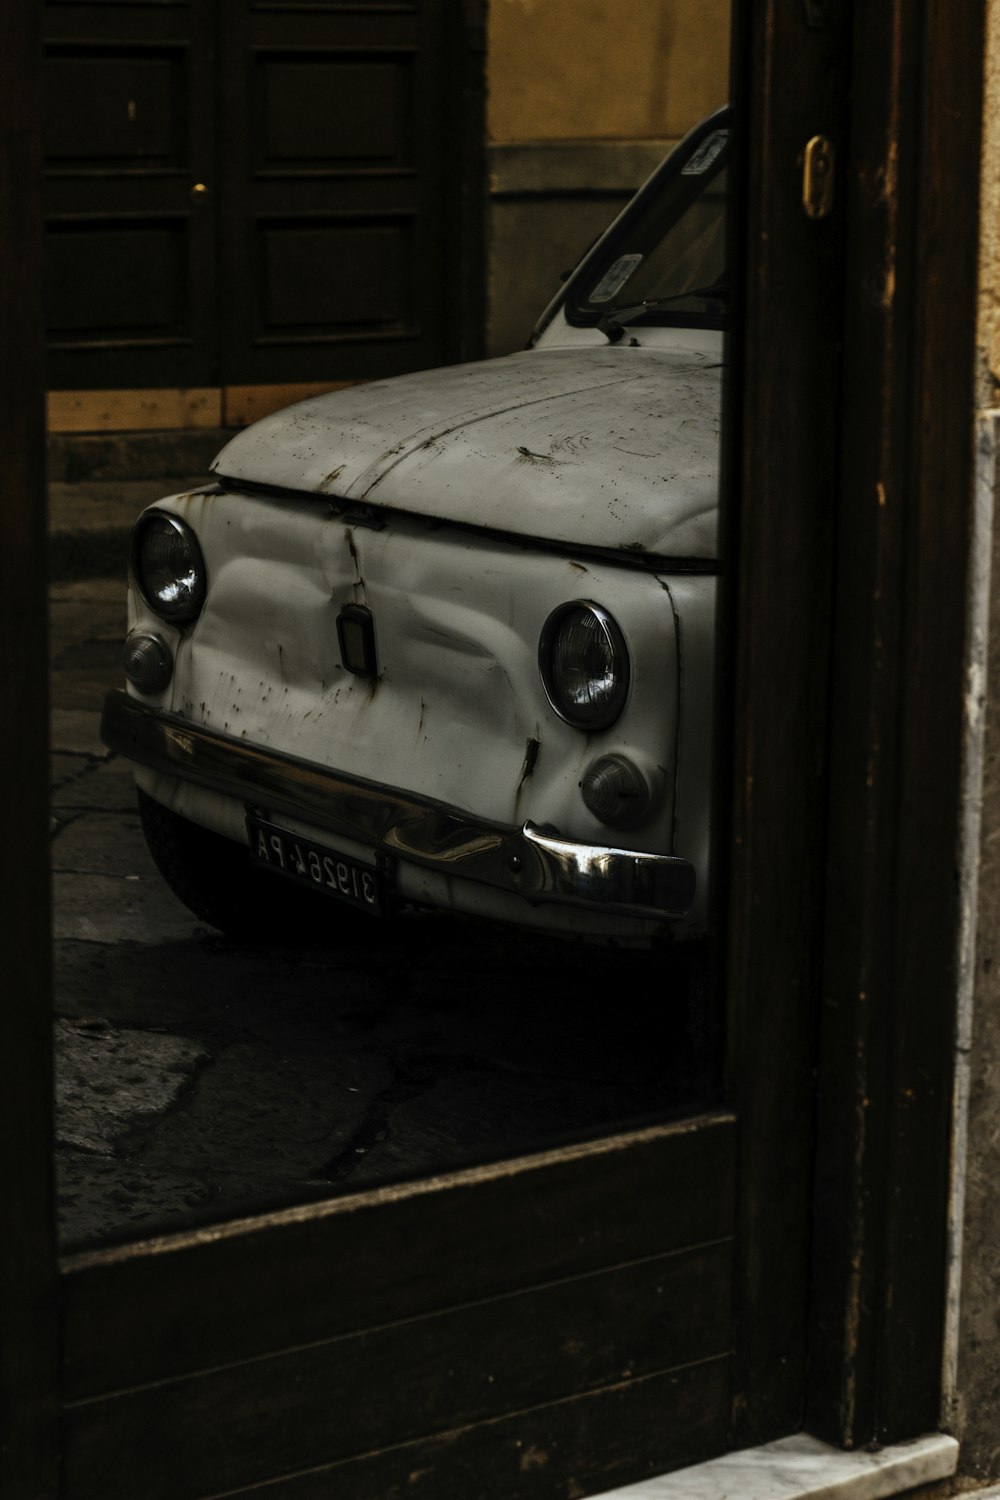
(151, 1327)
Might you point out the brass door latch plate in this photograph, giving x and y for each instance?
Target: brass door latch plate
(817, 177)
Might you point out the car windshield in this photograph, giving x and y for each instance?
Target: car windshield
(664, 259)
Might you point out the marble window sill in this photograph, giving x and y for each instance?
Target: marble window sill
(803, 1468)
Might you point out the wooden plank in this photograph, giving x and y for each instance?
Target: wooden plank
(159, 1308)
(243, 404)
(152, 409)
(28, 1349)
(307, 1408)
(334, 220)
(132, 410)
(559, 1451)
(864, 686)
(898, 685)
(927, 917)
(130, 244)
(781, 435)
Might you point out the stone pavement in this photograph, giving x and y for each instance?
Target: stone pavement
(198, 1077)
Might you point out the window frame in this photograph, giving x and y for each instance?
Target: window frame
(867, 512)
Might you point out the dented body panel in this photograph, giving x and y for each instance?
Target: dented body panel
(458, 713)
(458, 700)
(465, 523)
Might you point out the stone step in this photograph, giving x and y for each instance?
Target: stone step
(90, 523)
(110, 456)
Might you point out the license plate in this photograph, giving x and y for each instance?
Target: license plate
(313, 865)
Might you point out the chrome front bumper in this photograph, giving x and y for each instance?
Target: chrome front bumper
(532, 862)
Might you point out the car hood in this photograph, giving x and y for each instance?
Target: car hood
(614, 447)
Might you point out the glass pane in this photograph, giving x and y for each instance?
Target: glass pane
(417, 694)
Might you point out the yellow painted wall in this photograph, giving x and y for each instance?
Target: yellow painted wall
(604, 69)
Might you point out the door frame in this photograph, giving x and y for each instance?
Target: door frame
(838, 802)
(904, 639)
(29, 1361)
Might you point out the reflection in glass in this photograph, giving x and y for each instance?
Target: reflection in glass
(450, 893)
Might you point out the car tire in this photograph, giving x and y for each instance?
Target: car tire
(216, 881)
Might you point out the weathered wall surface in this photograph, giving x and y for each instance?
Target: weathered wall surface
(976, 1415)
(988, 388)
(584, 98)
(586, 69)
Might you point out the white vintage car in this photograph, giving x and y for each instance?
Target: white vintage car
(446, 640)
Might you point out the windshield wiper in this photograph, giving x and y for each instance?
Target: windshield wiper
(614, 322)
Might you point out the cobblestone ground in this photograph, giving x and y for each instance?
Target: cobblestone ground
(199, 1078)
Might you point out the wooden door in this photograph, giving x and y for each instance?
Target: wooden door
(254, 193)
(336, 177)
(29, 1359)
(129, 106)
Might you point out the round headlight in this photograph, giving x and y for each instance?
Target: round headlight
(168, 567)
(584, 665)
